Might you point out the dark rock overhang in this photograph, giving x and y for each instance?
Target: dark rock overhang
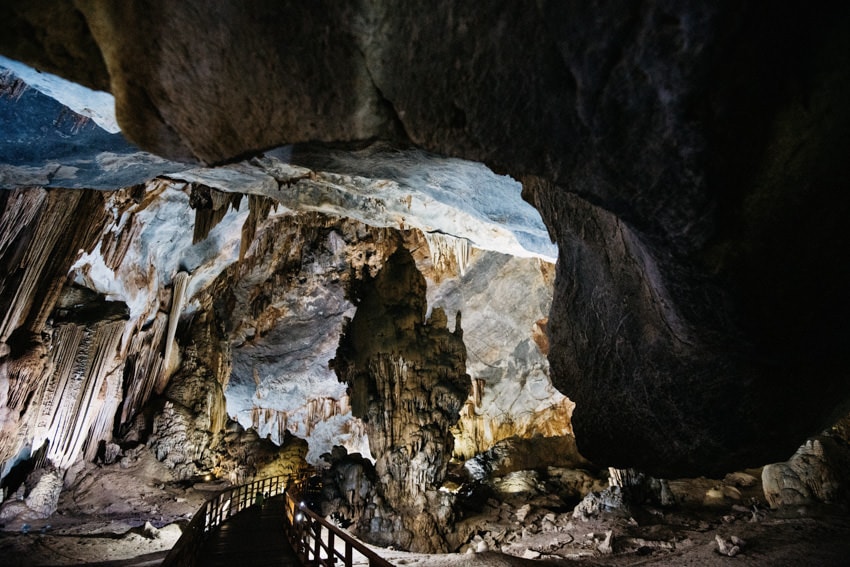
(690, 161)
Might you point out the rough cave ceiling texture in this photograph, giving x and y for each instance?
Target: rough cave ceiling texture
(689, 159)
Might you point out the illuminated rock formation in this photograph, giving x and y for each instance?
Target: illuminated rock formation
(58, 378)
(407, 383)
(688, 159)
(192, 303)
(511, 394)
(283, 309)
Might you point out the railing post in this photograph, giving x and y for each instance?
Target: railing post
(218, 510)
(310, 525)
(317, 533)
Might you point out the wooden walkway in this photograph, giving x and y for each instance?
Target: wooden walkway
(255, 536)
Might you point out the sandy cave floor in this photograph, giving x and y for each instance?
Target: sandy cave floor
(101, 521)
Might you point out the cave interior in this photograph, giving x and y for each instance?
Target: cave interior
(489, 271)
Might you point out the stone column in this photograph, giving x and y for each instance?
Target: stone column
(407, 383)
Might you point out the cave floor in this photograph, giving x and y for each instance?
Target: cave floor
(130, 516)
(685, 538)
(822, 539)
(791, 538)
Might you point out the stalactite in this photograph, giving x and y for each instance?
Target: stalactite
(313, 412)
(477, 390)
(143, 367)
(258, 210)
(52, 217)
(116, 243)
(172, 353)
(71, 428)
(24, 388)
(282, 425)
(205, 221)
(217, 410)
(210, 207)
(20, 207)
(108, 400)
(74, 405)
(35, 389)
(255, 418)
(344, 405)
(322, 409)
(68, 340)
(448, 253)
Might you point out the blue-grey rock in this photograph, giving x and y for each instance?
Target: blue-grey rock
(44, 143)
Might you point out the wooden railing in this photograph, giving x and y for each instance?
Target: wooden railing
(215, 511)
(318, 542)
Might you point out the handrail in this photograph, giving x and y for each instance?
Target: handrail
(304, 530)
(215, 511)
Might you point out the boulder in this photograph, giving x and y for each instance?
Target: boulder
(816, 473)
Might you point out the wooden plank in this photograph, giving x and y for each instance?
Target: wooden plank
(252, 537)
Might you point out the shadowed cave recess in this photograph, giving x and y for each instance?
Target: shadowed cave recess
(511, 282)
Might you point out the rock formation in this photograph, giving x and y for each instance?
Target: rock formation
(689, 161)
(511, 395)
(283, 310)
(186, 305)
(814, 474)
(407, 382)
(63, 135)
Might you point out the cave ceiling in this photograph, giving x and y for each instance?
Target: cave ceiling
(688, 159)
(264, 251)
